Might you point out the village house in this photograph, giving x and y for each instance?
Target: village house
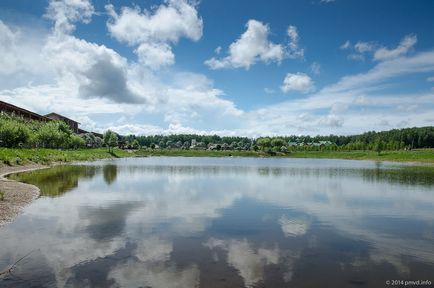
(29, 115)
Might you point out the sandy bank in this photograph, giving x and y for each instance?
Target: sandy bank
(16, 195)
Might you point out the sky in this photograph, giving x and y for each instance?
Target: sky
(245, 68)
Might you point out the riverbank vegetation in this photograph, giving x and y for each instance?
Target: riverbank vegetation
(54, 141)
(14, 156)
(19, 156)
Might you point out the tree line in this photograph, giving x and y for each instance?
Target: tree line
(16, 132)
(396, 139)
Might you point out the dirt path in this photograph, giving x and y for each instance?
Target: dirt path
(16, 195)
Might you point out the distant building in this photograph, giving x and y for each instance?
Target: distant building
(26, 114)
(29, 115)
(325, 143)
(72, 124)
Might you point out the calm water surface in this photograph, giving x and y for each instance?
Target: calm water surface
(223, 222)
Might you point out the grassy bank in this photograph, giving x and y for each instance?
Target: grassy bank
(421, 155)
(22, 156)
(12, 156)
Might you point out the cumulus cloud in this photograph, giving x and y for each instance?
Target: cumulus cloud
(155, 30)
(95, 70)
(102, 89)
(87, 81)
(254, 46)
(155, 55)
(297, 82)
(66, 12)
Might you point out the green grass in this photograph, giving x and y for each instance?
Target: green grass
(22, 156)
(420, 155)
(11, 156)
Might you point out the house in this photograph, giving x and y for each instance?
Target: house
(26, 114)
(29, 115)
(71, 123)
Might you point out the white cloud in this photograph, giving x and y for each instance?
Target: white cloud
(95, 70)
(66, 12)
(363, 47)
(155, 55)
(315, 68)
(346, 45)
(8, 61)
(339, 107)
(293, 227)
(294, 51)
(18, 64)
(331, 120)
(430, 79)
(49, 71)
(155, 30)
(167, 23)
(297, 82)
(380, 53)
(248, 261)
(88, 81)
(254, 46)
(404, 46)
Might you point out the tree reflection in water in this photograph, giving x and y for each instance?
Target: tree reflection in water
(57, 180)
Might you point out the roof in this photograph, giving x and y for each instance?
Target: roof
(22, 110)
(60, 116)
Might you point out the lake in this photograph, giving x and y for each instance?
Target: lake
(223, 222)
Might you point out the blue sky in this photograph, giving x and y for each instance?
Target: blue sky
(246, 68)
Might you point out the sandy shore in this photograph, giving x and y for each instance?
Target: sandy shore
(16, 195)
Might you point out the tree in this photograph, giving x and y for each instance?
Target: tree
(263, 143)
(110, 139)
(13, 134)
(379, 146)
(135, 144)
(76, 142)
(277, 143)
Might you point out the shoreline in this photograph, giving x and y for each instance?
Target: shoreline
(16, 195)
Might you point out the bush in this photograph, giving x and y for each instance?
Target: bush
(13, 133)
(16, 132)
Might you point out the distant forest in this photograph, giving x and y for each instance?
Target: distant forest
(407, 138)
